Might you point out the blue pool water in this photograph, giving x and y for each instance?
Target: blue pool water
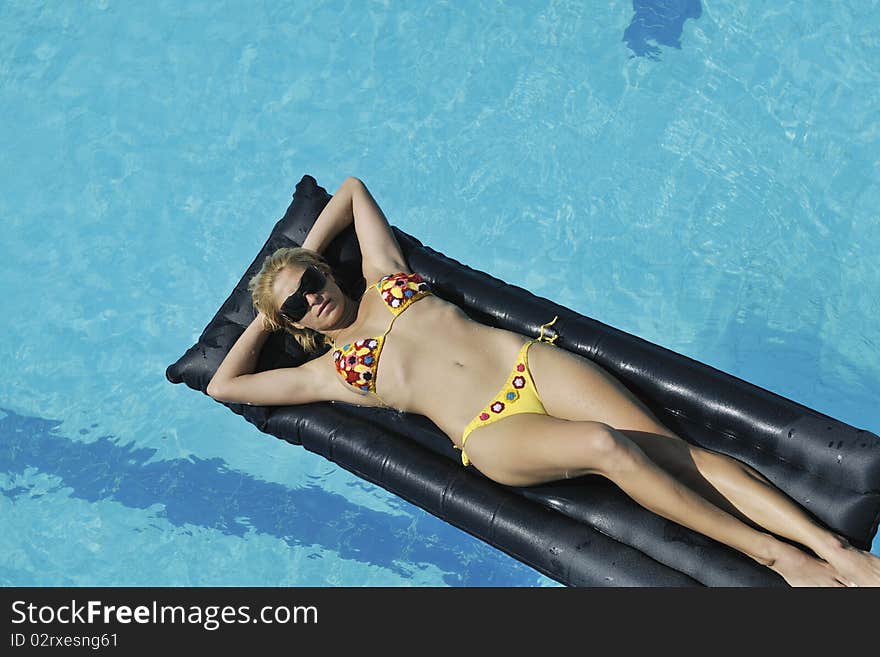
(701, 174)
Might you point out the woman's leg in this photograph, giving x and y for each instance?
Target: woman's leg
(727, 482)
(511, 453)
(577, 389)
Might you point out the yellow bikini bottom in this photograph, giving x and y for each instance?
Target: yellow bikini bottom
(517, 395)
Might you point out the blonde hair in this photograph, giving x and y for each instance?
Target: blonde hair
(260, 287)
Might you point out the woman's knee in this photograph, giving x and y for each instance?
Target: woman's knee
(604, 450)
(610, 451)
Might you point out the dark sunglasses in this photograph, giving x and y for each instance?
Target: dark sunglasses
(296, 306)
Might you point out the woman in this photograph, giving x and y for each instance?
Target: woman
(522, 411)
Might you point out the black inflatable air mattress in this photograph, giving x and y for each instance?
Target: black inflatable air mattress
(581, 532)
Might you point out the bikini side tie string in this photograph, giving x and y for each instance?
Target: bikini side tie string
(543, 326)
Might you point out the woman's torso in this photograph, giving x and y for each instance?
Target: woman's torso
(435, 361)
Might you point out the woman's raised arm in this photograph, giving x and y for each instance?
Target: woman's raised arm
(353, 203)
(235, 382)
(242, 358)
(336, 216)
(279, 387)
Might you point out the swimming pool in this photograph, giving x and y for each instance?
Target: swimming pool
(718, 199)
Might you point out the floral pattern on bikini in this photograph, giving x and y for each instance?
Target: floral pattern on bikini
(509, 396)
(400, 290)
(357, 362)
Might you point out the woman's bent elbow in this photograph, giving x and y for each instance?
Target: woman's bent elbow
(214, 390)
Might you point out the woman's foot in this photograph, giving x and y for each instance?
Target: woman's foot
(854, 567)
(800, 569)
